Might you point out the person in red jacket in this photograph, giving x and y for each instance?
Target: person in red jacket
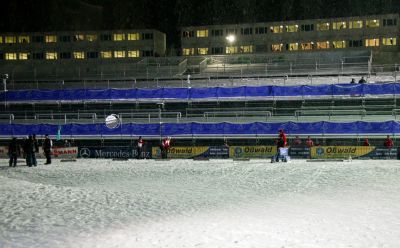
(366, 142)
(139, 147)
(165, 145)
(388, 143)
(309, 142)
(282, 141)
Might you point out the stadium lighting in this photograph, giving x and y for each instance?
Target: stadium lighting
(231, 38)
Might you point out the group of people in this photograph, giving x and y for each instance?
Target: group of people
(361, 81)
(30, 147)
(282, 141)
(164, 147)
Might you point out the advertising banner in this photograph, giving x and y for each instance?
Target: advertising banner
(252, 151)
(183, 152)
(63, 152)
(299, 152)
(326, 152)
(112, 152)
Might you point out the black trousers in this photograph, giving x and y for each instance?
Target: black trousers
(13, 160)
(48, 157)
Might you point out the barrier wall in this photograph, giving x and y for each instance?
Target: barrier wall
(205, 129)
(201, 93)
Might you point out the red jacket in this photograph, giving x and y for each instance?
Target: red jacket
(166, 143)
(388, 143)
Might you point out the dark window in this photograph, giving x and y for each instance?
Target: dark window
(261, 30)
(246, 31)
(1, 56)
(92, 55)
(355, 43)
(38, 39)
(105, 37)
(147, 36)
(148, 53)
(307, 27)
(37, 56)
(65, 55)
(389, 22)
(188, 34)
(217, 50)
(65, 38)
(217, 32)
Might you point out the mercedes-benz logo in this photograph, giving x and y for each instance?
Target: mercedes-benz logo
(84, 153)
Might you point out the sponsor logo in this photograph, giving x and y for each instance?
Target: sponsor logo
(85, 153)
(320, 151)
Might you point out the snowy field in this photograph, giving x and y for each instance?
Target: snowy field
(185, 203)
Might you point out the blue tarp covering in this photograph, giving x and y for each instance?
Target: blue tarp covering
(206, 129)
(202, 93)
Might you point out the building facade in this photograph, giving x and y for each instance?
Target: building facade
(71, 53)
(376, 33)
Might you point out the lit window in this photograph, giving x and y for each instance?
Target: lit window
(231, 49)
(293, 46)
(23, 56)
(339, 25)
(51, 55)
(246, 49)
(133, 54)
(372, 23)
(23, 39)
(202, 51)
(276, 47)
(134, 36)
(306, 46)
(323, 45)
(389, 41)
(79, 55)
(292, 28)
(106, 54)
(10, 39)
(10, 56)
(50, 38)
(119, 37)
(202, 33)
(323, 26)
(1, 39)
(371, 42)
(188, 51)
(276, 29)
(339, 44)
(355, 24)
(79, 37)
(119, 54)
(91, 37)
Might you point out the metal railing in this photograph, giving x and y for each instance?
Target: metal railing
(329, 112)
(237, 114)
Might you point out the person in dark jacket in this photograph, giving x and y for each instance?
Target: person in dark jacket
(165, 145)
(28, 150)
(13, 152)
(47, 145)
(139, 147)
(35, 150)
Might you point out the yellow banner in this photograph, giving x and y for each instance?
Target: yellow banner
(181, 151)
(340, 151)
(252, 151)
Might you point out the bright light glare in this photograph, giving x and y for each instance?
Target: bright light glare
(231, 38)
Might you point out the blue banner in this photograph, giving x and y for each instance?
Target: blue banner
(202, 93)
(206, 129)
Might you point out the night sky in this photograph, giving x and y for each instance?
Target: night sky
(168, 15)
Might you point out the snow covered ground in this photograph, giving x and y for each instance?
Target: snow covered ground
(185, 203)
